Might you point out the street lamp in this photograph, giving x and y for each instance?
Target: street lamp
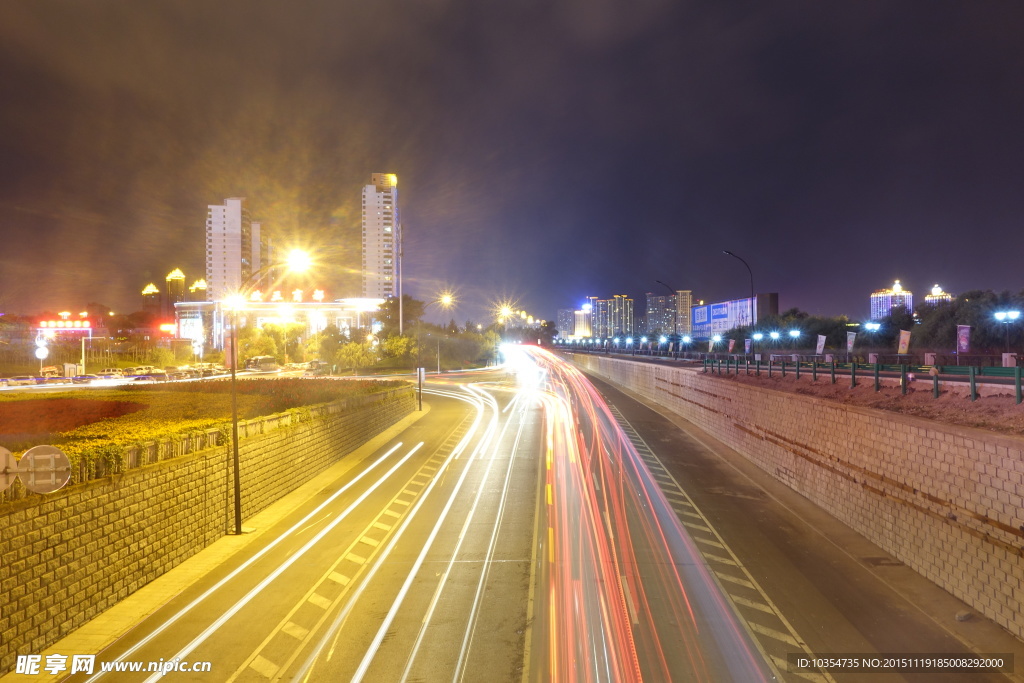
(297, 261)
(751, 320)
(1007, 317)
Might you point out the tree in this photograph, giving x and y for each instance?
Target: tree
(356, 356)
(412, 311)
(398, 347)
(325, 344)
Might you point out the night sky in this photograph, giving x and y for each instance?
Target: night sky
(546, 150)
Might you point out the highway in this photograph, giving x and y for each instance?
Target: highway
(529, 526)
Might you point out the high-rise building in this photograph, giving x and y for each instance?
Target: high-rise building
(620, 315)
(600, 321)
(684, 302)
(884, 300)
(174, 292)
(151, 299)
(938, 296)
(661, 314)
(382, 237)
(565, 321)
(197, 291)
(235, 248)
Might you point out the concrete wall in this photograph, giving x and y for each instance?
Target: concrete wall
(67, 556)
(945, 500)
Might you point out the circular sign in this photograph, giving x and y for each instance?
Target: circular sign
(8, 468)
(44, 469)
(42, 352)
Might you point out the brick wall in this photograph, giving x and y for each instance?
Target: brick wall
(945, 500)
(67, 556)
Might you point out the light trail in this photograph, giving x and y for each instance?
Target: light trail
(630, 596)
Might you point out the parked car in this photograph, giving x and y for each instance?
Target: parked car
(21, 380)
(152, 376)
(111, 373)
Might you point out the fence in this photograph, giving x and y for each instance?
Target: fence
(874, 372)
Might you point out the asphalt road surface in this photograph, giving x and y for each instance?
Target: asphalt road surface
(531, 524)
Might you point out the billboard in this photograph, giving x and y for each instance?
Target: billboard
(712, 319)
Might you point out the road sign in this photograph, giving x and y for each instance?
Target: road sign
(44, 469)
(8, 468)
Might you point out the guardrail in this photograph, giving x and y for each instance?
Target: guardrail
(875, 371)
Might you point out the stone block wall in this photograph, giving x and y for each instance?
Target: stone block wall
(67, 556)
(945, 500)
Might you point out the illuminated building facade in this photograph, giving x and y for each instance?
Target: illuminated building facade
(582, 320)
(884, 300)
(235, 248)
(669, 314)
(206, 323)
(565, 320)
(620, 315)
(174, 292)
(382, 237)
(938, 296)
(151, 299)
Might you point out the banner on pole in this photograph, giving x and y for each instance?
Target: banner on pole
(711, 345)
(850, 337)
(746, 346)
(963, 338)
(732, 345)
(821, 345)
(904, 342)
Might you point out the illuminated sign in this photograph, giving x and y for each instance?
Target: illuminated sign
(65, 324)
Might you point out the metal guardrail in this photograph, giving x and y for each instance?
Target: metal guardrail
(876, 371)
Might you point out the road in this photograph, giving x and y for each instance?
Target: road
(531, 526)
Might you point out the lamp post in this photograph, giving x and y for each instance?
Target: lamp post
(751, 320)
(297, 261)
(1007, 317)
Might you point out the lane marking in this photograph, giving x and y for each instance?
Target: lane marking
(319, 600)
(772, 633)
(264, 666)
(295, 631)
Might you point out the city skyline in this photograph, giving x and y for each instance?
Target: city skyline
(835, 149)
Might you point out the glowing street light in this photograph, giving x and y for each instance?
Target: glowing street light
(794, 333)
(297, 261)
(1007, 317)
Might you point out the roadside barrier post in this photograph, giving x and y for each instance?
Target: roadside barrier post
(757, 367)
(770, 367)
(903, 379)
(935, 386)
(783, 368)
(974, 387)
(878, 383)
(833, 372)
(1016, 380)
(853, 375)
(798, 369)
(814, 371)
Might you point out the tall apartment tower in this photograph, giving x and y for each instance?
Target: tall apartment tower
(235, 248)
(620, 315)
(684, 302)
(382, 237)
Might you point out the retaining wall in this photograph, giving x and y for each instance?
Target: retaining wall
(945, 500)
(67, 556)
